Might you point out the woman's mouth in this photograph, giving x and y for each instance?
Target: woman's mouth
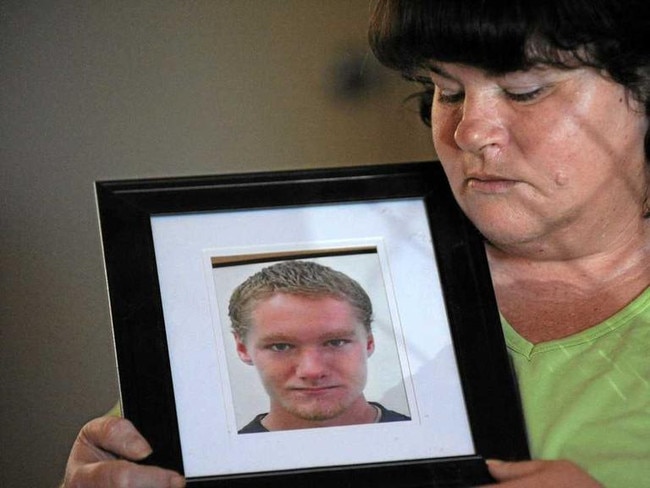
(489, 184)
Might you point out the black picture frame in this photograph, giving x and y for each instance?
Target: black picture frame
(126, 210)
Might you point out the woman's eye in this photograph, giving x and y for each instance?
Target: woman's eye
(449, 97)
(526, 96)
(280, 347)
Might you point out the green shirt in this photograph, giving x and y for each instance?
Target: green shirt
(586, 397)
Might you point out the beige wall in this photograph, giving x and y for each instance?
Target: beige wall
(124, 89)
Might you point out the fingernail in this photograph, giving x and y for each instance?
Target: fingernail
(177, 481)
(140, 446)
(493, 462)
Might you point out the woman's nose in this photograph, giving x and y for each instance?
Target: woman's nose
(482, 124)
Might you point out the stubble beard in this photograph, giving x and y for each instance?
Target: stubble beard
(316, 412)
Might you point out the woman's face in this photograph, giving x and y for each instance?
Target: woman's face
(540, 156)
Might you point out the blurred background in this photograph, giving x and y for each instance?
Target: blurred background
(129, 89)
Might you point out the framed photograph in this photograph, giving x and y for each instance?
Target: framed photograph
(433, 364)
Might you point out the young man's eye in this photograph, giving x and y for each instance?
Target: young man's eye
(337, 342)
(279, 347)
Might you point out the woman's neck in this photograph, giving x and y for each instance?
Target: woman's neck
(563, 291)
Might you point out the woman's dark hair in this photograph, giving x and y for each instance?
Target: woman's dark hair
(501, 36)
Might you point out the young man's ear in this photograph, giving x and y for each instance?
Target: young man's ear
(242, 350)
(370, 344)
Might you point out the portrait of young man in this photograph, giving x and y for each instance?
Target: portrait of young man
(306, 329)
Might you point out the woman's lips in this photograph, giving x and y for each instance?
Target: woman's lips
(490, 184)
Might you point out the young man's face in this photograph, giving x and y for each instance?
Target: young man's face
(310, 353)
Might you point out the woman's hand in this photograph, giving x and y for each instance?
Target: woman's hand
(540, 474)
(103, 456)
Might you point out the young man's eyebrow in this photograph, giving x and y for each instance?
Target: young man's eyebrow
(341, 334)
(277, 337)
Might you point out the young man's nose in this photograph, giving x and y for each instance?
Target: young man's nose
(311, 364)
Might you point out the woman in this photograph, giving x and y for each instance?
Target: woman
(539, 112)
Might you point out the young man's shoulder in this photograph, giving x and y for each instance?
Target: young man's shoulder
(254, 426)
(388, 415)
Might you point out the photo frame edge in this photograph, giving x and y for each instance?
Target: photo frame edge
(138, 197)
